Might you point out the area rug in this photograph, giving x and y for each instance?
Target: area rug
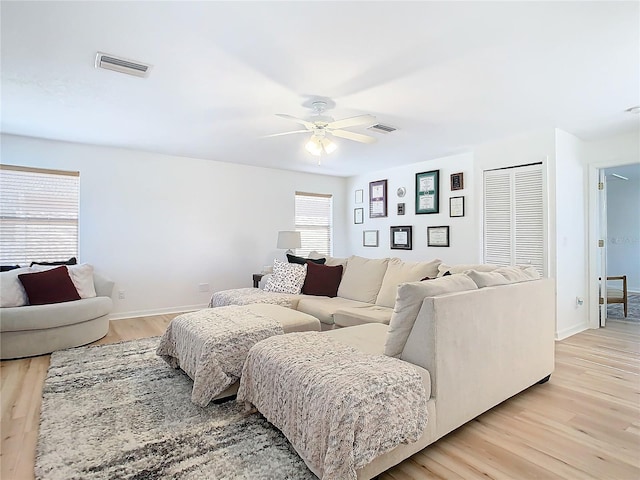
(615, 311)
(120, 412)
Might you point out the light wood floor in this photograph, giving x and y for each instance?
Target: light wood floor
(584, 423)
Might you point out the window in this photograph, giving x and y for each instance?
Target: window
(314, 221)
(38, 215)
(514, 229)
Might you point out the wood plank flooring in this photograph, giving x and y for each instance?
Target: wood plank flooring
(583, 424)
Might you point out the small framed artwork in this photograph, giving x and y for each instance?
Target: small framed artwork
(427, 192)
(401, 237)
(438, 236)
(370, 238)
(401, 209)
(457, 181)
(456, 207)
(359, 196)
(378, 199)
(358, 215)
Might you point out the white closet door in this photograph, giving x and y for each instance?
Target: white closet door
(514, 217)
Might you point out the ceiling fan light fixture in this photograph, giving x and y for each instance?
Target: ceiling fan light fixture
(328, 146)
(313, 146)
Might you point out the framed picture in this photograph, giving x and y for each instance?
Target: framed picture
(456, 207)
(378, 199)
(437, 236)
(401, 209)
(427, 192)
(358, 215)
(401, 237)
(370, 238)
(359, 196)
(457, 181)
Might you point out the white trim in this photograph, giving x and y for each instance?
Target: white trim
(157, 311)
(568, 332)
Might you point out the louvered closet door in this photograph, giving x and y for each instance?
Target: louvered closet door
(514, 217)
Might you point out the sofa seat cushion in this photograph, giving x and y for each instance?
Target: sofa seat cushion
(38, 317)
(362, 278)
(323, 308)
(349, 317)
(402, 272)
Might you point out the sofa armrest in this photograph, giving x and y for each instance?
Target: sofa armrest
(104, 286)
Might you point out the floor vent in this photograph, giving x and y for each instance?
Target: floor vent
(122, 65)
(379, 127)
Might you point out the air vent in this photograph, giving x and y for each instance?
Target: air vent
(379, 127)
(122, 65)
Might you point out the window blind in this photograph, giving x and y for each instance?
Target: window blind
(314, 221)
(38, 215)
(514, 217)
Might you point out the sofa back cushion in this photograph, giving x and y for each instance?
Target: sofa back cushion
(402, 272)
(463, 267)
(408, 303)
(49, 286)
(12, 292)
(322, 280)
(362, 278)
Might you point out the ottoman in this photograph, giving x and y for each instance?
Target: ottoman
(211, 345)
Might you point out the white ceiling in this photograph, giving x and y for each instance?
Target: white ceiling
(448, 75)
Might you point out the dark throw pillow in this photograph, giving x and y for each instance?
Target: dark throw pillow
(50, 286)
(6, 268)
(302, 261)
(71, 261)
(322, 280)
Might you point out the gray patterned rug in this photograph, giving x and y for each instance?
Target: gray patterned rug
(120, 412)
(615, 311)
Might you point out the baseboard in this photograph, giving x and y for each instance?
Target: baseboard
(568, 332)
(157, 311)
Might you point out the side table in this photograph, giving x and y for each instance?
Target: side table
(256, 279)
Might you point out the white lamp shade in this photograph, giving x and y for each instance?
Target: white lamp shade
(289, 240)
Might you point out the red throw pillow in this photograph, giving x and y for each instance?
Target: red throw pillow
(322, 280)
(50, 286)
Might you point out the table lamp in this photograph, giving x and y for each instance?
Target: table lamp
(289, 240)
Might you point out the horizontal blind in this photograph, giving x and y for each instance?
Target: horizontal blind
(38, 215)
(314, 221)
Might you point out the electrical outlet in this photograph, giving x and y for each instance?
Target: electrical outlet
(203, 287)
(121, 294)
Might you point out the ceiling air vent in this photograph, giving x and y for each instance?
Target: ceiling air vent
(379, 127)
(122, 65)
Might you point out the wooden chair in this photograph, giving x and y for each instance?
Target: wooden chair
(617, 295)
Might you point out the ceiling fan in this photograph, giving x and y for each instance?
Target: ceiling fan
(320, 125)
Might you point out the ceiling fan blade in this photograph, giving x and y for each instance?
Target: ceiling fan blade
(358, 137)
(285, 133)
(353, 121)
(309, 125)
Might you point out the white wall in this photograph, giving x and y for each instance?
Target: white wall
(571, 235)
(463, 233)
(623, 230)
(160, 225)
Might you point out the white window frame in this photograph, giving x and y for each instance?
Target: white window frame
(39, 214)
(316, 224)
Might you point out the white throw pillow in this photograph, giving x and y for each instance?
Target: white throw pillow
(286, 277)
(463, 267)
(531, 271)
(12, 292)
(81, 276)
(409, 302)
(487, 279)
(362, 278)
(402, 272)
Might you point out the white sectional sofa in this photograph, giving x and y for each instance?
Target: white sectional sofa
(476, 339)
(366, 293)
